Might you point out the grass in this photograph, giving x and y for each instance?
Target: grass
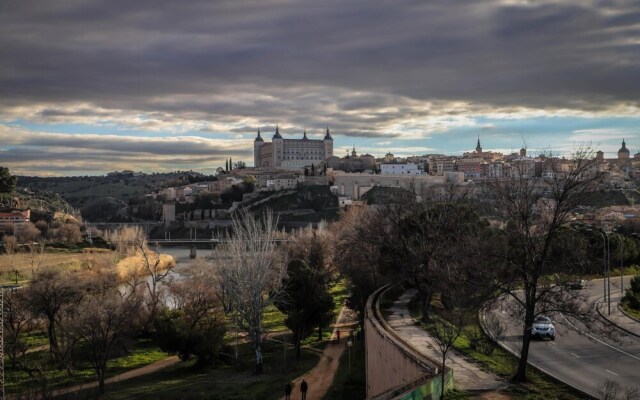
(185, 381)
(632, 312)
(273, 319)
(140, 353)
(36, 339)
(25, 263)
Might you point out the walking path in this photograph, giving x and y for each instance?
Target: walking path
(466, 375)
(320, 378)
(617, 317)
(134, 373)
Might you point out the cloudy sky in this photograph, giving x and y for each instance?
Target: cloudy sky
(88, 87)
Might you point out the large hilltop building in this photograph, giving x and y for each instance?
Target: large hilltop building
(291, 153)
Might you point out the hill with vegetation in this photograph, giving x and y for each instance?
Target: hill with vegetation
(307, 203)
(82, 191)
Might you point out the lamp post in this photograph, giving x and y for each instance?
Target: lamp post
(349, 344)
(608, 276)
(604, 258)
(621, 237)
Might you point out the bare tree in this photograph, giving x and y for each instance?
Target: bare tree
(357, 254)
(251, 273)
(10, 247)
(36, 256)
(445, 330)
(27, 232)
(133, 240)
(17, 320)
(70, 233)
(105, 316)
(195, 294)
(195, 325)
(50, 293)
(536, 251)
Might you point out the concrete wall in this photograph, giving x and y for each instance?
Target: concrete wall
(355, 185)
(394, 368)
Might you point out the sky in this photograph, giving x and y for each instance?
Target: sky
(88, 87)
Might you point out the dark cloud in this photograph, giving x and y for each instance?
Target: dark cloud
(117, 53)
(366, 69)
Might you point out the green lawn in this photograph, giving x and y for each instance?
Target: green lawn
(185, 381)
(140, 353)
(273, 319)
(630, 311)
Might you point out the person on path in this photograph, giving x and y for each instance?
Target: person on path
(287, 391)
(338, 335)
(303, 389)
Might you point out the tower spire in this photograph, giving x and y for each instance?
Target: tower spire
(328, 135)
(277, 134)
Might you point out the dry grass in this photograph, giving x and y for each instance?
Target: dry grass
(26, 263)
(136, 265)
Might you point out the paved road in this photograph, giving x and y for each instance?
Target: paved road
(580, 359)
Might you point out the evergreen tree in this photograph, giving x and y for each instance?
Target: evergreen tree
(306, 301)
(7, 181)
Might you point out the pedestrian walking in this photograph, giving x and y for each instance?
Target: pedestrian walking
(338, 335)
(287, 391)
(303, 389)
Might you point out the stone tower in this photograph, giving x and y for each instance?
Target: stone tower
(257, 147)
(328, 145)
(623, 153)
(278, 148)
(478, 147)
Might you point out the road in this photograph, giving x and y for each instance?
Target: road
(580, 358)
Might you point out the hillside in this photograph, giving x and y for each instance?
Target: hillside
(306, 204)
(81, 191)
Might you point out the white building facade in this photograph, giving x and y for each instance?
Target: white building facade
(399, 169)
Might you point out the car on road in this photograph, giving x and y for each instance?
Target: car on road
(542, 327)
(577, 285)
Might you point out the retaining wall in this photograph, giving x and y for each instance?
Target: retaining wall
(395, 370)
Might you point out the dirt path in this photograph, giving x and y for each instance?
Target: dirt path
(134, 373)
(321, 376)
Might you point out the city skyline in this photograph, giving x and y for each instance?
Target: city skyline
(156, 86)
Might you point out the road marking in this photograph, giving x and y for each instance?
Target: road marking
(611, 372)
(575, 355)
(598, 340)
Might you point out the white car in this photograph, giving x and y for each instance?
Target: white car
(543, 328)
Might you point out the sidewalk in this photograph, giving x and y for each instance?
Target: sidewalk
(134, 373)
(617, 317)
(320, 378)
(466, 375)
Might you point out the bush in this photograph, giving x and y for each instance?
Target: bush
(632, 294)
(175, 334)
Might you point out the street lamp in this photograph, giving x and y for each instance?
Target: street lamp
(608, 276)
(605, 257)
(349, 344)
(621, 238)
